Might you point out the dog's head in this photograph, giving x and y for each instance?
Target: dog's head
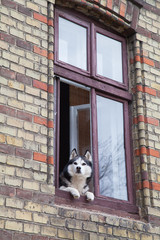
(80, 165)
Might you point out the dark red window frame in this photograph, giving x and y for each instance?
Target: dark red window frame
(104, 87)
(126, 139)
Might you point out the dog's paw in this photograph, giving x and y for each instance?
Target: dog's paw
(90, 196)
(75, 193)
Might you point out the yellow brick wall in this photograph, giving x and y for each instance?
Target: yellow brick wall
(27, 208)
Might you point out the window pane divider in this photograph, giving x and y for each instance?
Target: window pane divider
(92, 82)
(95, 141)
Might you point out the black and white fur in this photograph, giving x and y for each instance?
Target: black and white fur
(77, 174)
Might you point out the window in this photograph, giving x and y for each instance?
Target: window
(72, 43)
(111, 148)
(109, 51)
(93, 107)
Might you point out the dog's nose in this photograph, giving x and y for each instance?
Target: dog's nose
(78, 169)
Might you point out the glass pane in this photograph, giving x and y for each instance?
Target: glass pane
(111, 152)
(75, 120)
(72, 43)
(109, 58)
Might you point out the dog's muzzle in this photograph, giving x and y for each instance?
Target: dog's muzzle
(78, 169)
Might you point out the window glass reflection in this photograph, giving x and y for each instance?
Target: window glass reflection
(109, 58)
(111, 152)
(72, 43)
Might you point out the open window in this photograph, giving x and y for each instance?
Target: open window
(80, 123)
(93, 108)
(75, 119)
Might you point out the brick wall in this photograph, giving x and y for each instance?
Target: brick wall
(27, 209)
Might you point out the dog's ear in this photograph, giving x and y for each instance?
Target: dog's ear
(88, 156)
(73, 154)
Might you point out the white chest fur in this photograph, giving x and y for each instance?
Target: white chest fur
(78, 182)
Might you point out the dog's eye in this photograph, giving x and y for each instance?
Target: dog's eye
(75, 163)
(83, 164)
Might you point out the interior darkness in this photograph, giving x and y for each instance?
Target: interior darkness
(73, 96)
(64, 125)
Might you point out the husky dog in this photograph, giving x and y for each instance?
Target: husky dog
(77, 174)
